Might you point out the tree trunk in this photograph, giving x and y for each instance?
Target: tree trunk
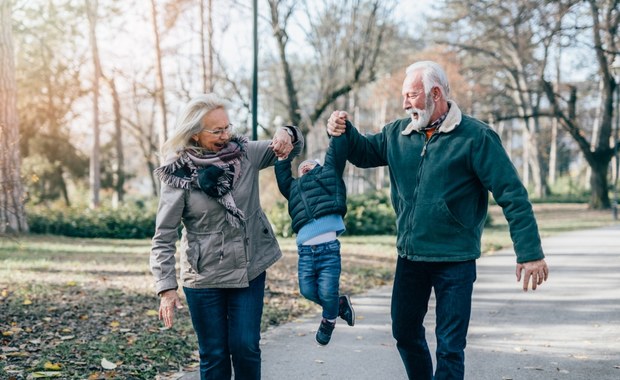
(599, 197)
(12, 214)
(119, 183)
(163, 130)
(95, 158)
(207, 51)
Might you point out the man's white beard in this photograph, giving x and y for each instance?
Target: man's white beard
(423, 116)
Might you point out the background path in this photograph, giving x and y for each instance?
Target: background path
(569, 329)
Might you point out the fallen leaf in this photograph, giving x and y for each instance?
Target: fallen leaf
(27, 302)
(115, 324)
(106, 364)
(52, 366)
(71, 283)
(152, 313)
(45, 374)
(18, 354)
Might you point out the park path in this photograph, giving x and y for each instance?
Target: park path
(569, 329)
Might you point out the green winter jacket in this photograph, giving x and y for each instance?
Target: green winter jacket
(440, 187)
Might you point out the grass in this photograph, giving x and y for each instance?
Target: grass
(66, 304)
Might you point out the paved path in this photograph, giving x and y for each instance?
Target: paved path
(569, 329)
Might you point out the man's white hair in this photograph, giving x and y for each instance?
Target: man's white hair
(433, 75)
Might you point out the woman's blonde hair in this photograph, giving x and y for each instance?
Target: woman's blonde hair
(189, 123)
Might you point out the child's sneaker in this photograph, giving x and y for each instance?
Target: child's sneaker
(345, 310)
(324, 333)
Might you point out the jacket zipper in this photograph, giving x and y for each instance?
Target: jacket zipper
(420, 167)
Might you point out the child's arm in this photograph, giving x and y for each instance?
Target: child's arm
(336, 155)
(284, 176)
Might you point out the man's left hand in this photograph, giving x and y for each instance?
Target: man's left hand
(536, 271)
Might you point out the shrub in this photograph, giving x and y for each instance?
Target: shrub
(370, 214)
(130, 221)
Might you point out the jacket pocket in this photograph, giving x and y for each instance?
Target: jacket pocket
(207, 251)
(435, 229)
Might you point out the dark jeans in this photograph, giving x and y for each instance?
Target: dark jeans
(319, 275)
(453, 283)
(227, 324)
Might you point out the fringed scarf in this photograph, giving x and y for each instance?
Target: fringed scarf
(183, 173)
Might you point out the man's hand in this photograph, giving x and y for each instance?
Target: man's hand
(169, 302)
(336, 123)
(281, 143)
(537, 271)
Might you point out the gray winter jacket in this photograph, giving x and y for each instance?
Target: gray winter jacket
(214, 254)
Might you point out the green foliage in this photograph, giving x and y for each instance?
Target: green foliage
(280, 219)
(129, 221)
(370, 214)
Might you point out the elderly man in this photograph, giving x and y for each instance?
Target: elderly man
(442, 166)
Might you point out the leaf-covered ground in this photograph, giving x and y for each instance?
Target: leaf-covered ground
(85, 308)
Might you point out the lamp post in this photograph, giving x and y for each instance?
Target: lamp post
(615, 68)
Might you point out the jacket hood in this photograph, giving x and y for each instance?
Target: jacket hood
(453, 119)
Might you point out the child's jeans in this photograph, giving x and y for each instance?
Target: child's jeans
(319, 275)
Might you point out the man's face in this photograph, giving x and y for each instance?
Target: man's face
(416, 102)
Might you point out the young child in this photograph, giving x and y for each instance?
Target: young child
(317, 205)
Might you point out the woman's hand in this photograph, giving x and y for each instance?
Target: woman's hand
(169, 301)
(281, 143)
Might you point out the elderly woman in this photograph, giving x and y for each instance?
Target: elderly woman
(209, 185)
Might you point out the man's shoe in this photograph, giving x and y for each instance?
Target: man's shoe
(345, 310)
(324, 333)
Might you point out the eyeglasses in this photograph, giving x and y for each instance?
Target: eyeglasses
(219, 132)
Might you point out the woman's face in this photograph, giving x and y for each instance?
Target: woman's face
(216, 130)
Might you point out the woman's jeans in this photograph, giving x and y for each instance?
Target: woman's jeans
(319, 275)
(227, 323)
(453, 283)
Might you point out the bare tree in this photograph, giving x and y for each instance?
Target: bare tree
(95, 158)
(206, 56)
(605, 19)
(161, 89)
(345, 41)
(513, 41)
(119, 172)
(12, 214)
